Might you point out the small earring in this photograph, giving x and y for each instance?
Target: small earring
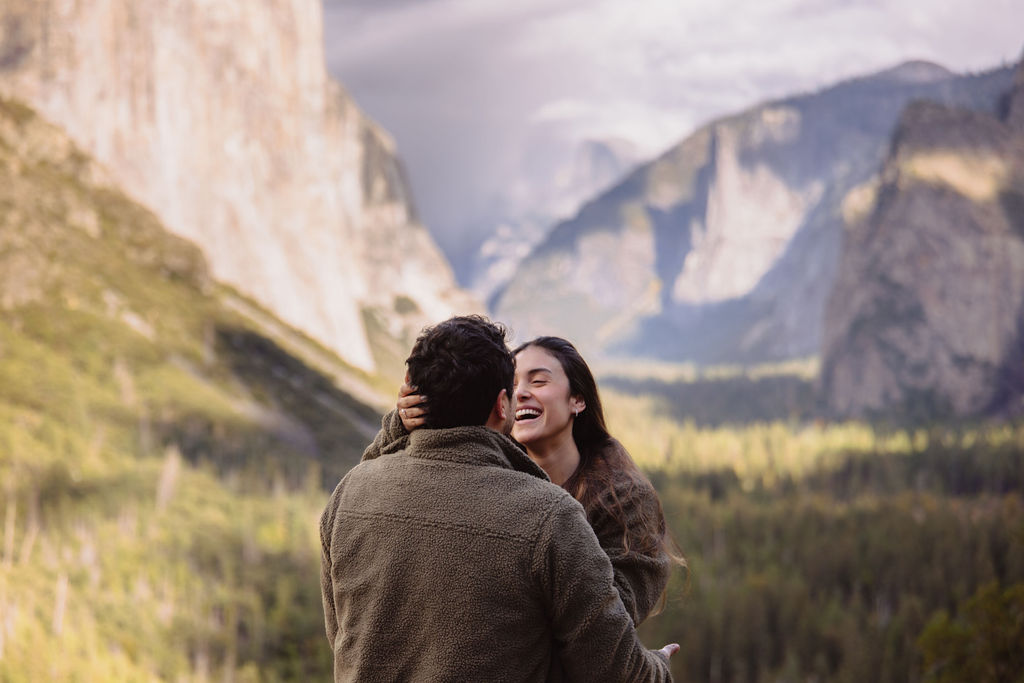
(576, 412)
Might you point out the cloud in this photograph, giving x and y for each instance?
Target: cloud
(465, 85)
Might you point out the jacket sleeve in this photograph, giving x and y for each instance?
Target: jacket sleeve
(640, 577)
(392, 437)
(595, 635)
(326, 573)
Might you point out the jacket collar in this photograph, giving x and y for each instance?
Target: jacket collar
(476, 445)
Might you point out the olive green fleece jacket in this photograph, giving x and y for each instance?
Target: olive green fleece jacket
(640, 578)
(454, 559)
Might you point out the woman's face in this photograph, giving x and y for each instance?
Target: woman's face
(544, 408)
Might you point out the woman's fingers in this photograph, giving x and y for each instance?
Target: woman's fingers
(406, 389)
(669, 650)
(412, 418)
(411, 423)
(416, 404)
(412, 409)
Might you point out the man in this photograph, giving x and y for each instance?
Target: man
(454, 558)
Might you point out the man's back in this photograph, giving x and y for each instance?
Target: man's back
(441, 565)
(432, 550)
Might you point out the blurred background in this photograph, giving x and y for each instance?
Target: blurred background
(787, 235)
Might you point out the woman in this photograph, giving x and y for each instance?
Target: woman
(560, 422)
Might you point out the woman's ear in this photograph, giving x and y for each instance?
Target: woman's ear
(577, 404)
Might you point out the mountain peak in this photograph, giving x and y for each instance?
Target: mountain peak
(915, 71)
(723, 249)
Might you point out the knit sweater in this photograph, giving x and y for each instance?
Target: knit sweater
(639, 577)
(455, 559)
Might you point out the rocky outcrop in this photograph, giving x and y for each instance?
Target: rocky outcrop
(725, 248)
(927, 315)
(221, 118)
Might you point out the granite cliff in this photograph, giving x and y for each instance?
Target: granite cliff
(724, 249)
(113, 326)
(221, 118)
(927, 314)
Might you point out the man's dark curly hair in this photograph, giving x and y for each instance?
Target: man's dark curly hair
(461, 365)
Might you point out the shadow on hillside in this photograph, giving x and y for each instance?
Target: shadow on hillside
(727, 401)
(296, 421)
(947, 463)
(967, 466)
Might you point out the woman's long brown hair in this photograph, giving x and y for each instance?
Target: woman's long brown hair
(606, 470)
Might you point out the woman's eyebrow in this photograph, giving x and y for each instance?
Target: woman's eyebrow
(534, 371)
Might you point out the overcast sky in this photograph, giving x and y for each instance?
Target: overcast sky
(472, 89)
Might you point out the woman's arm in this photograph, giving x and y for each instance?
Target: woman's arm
(410, 413)
(595, 638)
(641, 570)
(391, 437)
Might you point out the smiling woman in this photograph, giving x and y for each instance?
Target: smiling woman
(546, 411)
(560, 422)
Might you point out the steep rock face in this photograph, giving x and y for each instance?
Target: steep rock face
(927, 315)
(724, 249)
(1015, 102)
(113, 327)
(222, 119)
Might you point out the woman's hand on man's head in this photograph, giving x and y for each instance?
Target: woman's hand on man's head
(412, 407)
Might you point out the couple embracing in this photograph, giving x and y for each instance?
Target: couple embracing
(455, 553)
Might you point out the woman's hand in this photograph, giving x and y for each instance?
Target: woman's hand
(412, 407)
(669, 650)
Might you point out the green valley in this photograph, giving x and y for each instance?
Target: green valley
(167, 445)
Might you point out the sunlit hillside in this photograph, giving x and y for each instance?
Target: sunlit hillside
(165, 445)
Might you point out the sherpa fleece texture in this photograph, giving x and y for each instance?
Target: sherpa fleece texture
(455, 559)
(640, 578)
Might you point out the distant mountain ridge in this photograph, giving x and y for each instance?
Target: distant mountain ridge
(724, 249)
(221, 118)
(927, 315)
(519, 220)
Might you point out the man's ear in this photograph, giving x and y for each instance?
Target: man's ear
(501, 405)
(499, 411)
